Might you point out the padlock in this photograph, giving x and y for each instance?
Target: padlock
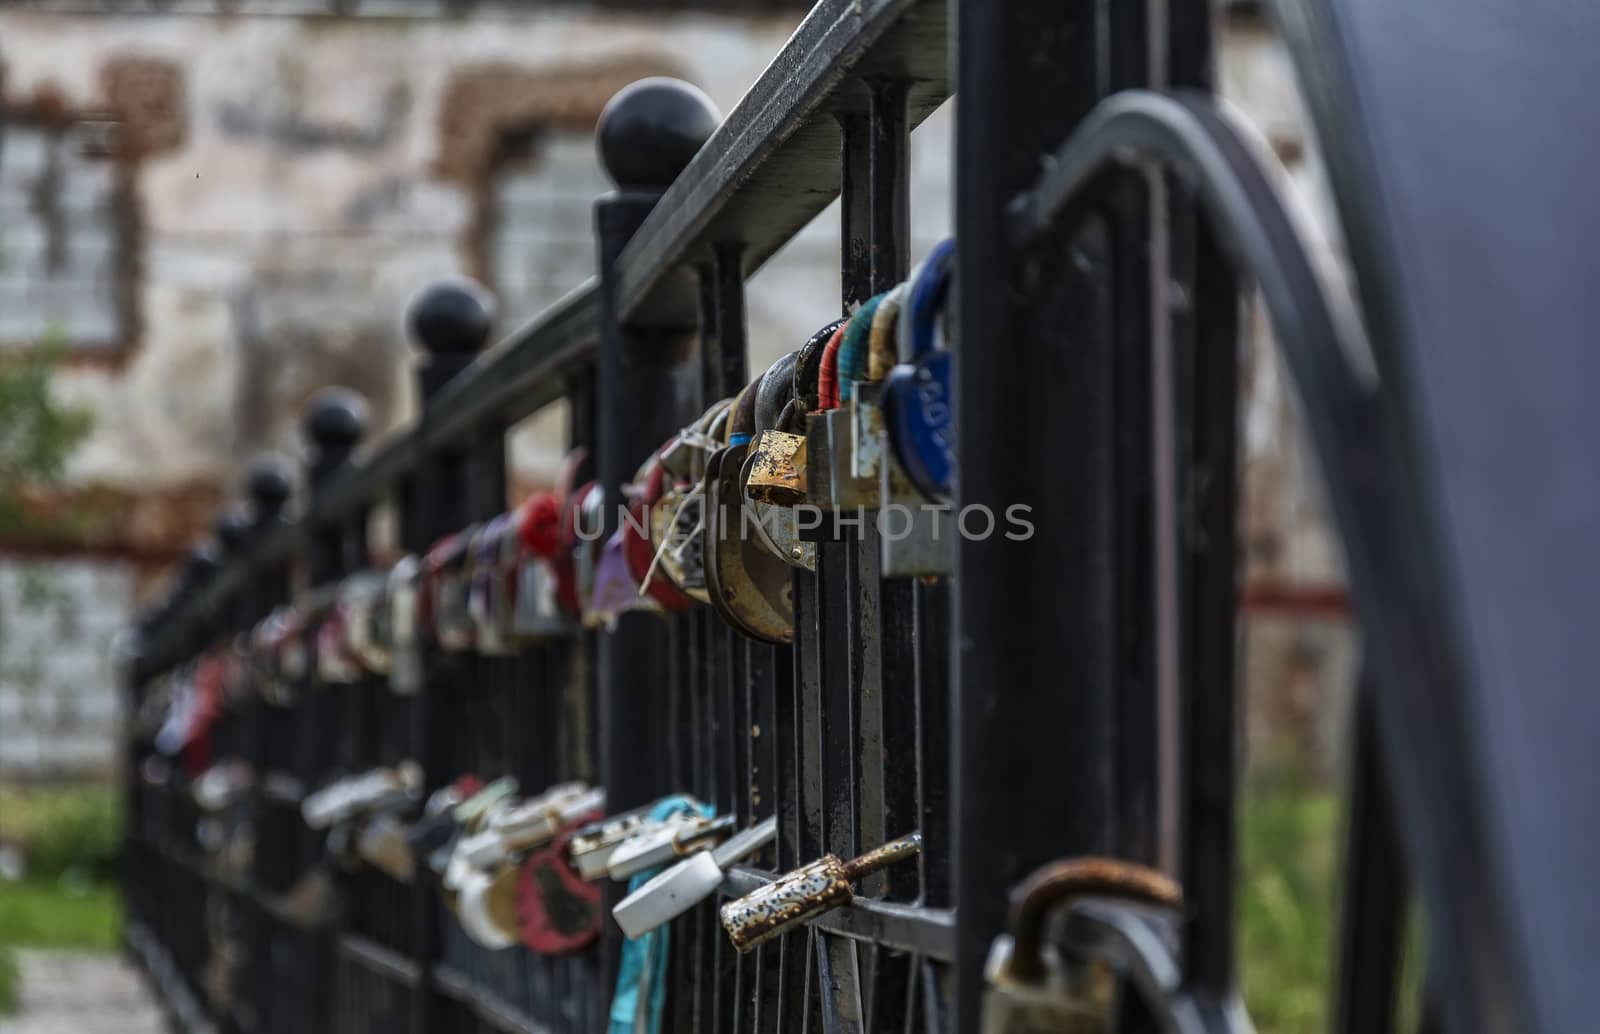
(673, 841)
(365, 627)
(616, 590)
(582, 519)
(774, 470)
(536, 561)
(437, 827)
(335, 665)
(778, 469)
(540, 820)
(917, 403)
(676, 525)
(291, 657)
(830, 480)
(916, 538)
(397, 628)
(345, 798)
(806, 893)
(488, 592)
(674, 891)
(751, 588)
(444, 596)
(638, 551)
(591, 845)
(1031, 989)
(223, 785)
(486, 905)
(382, 843)
(558, 912)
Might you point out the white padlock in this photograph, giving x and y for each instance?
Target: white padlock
(672, 892)
(591, 846)
(672, 841)
(541, 819)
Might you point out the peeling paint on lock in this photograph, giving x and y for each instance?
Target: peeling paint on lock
(806, 893)
(778, 469)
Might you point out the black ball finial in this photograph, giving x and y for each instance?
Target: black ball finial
(335, 419)
(650, 130)
(232, 529)
(199, 565)
(453, 316)
(269, 483)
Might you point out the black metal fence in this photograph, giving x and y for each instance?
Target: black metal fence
(1065, 696)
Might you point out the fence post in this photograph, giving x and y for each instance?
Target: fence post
(451, 320)
(647, 385)
(268, 485)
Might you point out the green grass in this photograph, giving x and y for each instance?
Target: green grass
(8, 982)
(55, 914)
(1289, 854)
(70, 836)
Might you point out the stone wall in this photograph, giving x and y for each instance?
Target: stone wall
(281, 185)
(58, 709)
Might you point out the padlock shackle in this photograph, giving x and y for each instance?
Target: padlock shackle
(927, 296)
(1057, 883)
(852, 361)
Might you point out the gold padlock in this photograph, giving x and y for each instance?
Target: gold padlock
(778, 469)
(806, 893)
(1031, 990)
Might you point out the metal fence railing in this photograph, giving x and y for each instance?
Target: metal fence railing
(960, 566)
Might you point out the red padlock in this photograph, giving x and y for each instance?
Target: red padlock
(558, 911)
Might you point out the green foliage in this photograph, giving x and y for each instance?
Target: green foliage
(63, 830)
(60, 913)
(1289, 839)
(71, 837)
(37, 434)
(8, 982)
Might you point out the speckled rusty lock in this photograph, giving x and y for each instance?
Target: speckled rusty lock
(806, 893)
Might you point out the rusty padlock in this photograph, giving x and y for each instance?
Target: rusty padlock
(1031, 989)
(777, 474)
(806, 893)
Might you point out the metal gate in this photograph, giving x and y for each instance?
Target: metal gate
(1064, 695)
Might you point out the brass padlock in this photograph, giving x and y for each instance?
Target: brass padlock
(778, 469)
(751, 588)
(806, 893)
(1031, 988)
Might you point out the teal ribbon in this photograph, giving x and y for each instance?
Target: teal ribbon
(641, 996)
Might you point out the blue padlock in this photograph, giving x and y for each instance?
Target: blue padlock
(918, 409)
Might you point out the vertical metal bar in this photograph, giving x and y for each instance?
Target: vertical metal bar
(855, 209)
(836, 698)
(1374, 896)
(730, 363)
(1210, 604)
(1034, 429)
(933, 747)
(646, 390)
(882, 661)
(839, 981)
(435, 506)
